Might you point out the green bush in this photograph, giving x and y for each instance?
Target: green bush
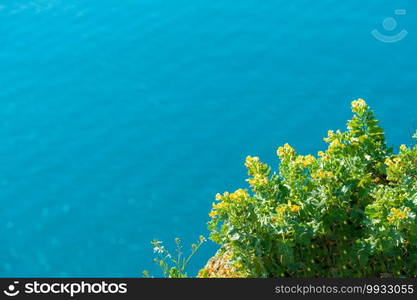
(350, 212)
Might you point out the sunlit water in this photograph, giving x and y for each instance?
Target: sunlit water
(120, 120)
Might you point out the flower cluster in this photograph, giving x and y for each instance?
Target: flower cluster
(286, 151)
(323, 175)
(359, 106)
(305, 161)
(288, 207)
(227, 199)
(398, 214)
(336, 145)
(258, 180)
(258, 170)
(360, 103)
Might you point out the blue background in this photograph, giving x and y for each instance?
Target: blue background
(120, 120)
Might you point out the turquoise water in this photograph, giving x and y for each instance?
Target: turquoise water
(120, 120)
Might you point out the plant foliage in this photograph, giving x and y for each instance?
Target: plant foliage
(349, 212)
(173, 265)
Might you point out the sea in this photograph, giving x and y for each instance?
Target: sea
(121, 120)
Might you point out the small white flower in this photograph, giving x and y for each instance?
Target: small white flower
(159, 249)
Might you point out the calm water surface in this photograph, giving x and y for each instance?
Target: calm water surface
(120, 120)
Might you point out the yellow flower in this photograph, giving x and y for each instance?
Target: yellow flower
(212, 214)
(398, 213)
(219, 205)
(323, 174)
(360, 103)
(295, 208)
(390, 219)
(300, 159)
(287, 149)
(403, 147)
(218, 197)
(252, 182)
(324, 156)
(334, 145)
(258, 180)
(309, 159)
(250, 160)
(401, 215)
(281, 210)
(389, 162)
(238, 195)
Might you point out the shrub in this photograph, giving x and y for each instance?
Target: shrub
(349, 212)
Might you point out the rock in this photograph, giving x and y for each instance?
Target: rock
(221, 265)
